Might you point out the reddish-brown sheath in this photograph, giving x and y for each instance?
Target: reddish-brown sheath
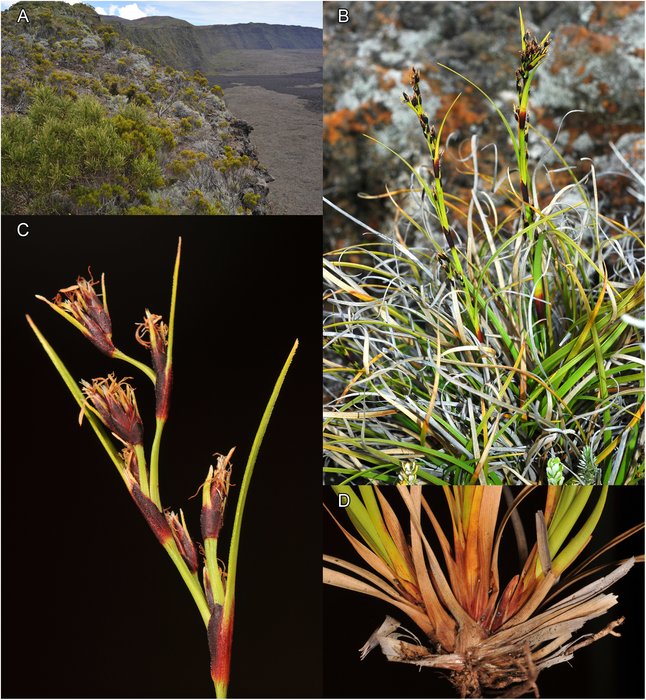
(220, 645)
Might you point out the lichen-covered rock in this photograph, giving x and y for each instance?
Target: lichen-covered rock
(596, 65)
(184, 111)
(90, 42)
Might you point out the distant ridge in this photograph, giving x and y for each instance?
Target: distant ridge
(188, 47)
(157, 21)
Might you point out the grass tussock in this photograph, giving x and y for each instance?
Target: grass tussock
(490, 635)
(495, 339)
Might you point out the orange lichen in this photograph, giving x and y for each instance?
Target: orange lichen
(385, 83)
(343, 122)
(468, 110)
(610, 11)
(582, 40)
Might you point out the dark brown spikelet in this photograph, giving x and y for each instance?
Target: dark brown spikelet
(154, 517)
(216, 490)
(158, 344)
(414, 81)
(129, 457)
(114, 402)
(183, 540)
(83, 304)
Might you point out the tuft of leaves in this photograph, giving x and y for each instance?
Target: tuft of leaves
(516, 346)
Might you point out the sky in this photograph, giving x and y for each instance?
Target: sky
(298, 12)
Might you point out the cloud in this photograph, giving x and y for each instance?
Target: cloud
(131, 12)
(127, 11)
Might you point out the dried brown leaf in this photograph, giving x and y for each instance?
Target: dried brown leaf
(341, 580)
(444, 625)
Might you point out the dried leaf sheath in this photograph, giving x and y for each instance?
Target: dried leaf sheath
(474, 630)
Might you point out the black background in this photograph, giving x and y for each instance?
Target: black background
(611, 667)
(92, 605)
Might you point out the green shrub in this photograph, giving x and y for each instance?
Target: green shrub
(189, 96)
(198, 204)
(200, 79)
(251, 199)
(148, 210)
(9, 66)
(15, 90)
(190, 160)
(97, 88)
(99, 198)
(144, 197)
(230, 162)
(70, 154)
(62, 83)
(108, 35)
(166, 136)
(154, 87)
(132, 125)
(143, 100)
(178, 168)
(131, 91)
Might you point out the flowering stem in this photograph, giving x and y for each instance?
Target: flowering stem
(161, 419)
(532, 55)
(211, 553)
(154, 462)
(191, 580)
(143, 476)
(436, 193)
(139, 365)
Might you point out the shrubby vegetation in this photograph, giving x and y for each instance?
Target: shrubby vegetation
(68, 156)
(97, 126)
